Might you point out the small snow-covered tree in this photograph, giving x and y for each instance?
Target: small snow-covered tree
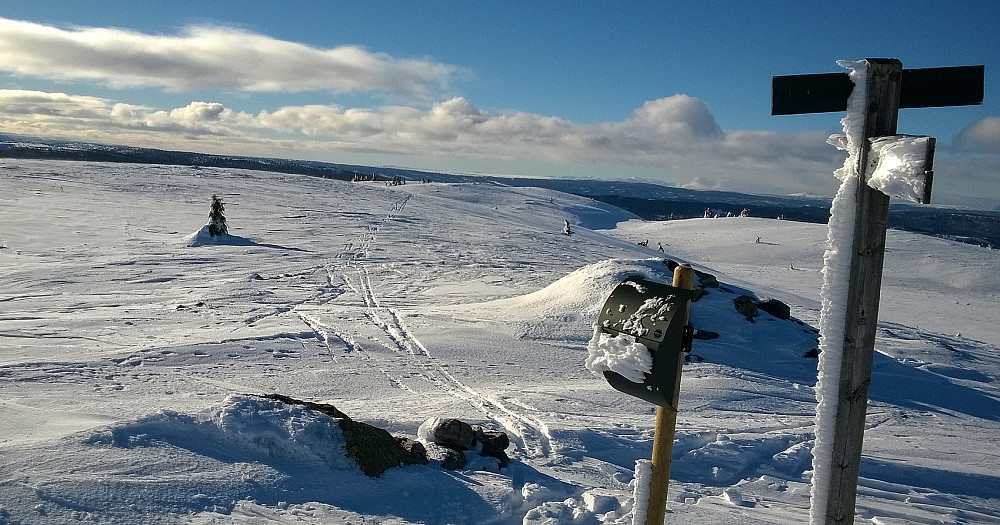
(216, 219)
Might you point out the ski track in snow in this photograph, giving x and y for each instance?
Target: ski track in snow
(338, 319)
(530, 434)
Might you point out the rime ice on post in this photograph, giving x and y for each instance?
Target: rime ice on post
(640, 490)
(836, 272)
(878, 166)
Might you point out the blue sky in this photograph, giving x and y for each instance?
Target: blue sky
(671, 91)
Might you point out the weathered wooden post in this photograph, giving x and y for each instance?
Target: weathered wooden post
(666, 422)
(656, 316)
(888, 87)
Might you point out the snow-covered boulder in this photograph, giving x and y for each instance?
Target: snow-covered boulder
(447, 432)
(374, 450)
(447, 440)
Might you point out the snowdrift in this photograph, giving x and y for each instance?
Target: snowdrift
(580, 293)
(203, 238)
(568, 309)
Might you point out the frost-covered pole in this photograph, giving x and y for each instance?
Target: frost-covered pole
(872, 94)
(840, 425)
(666, 421)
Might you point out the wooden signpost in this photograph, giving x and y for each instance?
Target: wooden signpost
(655, 315)
(666, 421)
(889, 88)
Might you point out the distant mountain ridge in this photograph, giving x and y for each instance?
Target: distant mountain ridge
(647, 200)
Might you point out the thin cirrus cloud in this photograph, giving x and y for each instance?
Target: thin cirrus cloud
(207, 58)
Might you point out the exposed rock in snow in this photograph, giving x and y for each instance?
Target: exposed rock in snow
(448, 432)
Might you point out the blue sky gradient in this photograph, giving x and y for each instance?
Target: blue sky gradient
(588, 89)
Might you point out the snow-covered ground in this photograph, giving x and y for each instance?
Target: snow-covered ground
(128, 345)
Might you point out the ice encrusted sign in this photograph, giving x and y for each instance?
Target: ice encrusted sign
(880, 164)
(638, 341)
(638, 346)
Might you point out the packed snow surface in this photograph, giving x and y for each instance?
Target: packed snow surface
(130, 359)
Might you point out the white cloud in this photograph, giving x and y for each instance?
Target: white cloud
(983, 136)
(673, 133)
(84, 117)
(658, 129)
(678, 117)
(203, 58)
(199, 112)
(37, 104)
(675, 139)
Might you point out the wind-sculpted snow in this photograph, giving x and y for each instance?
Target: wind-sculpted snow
(621, 354)
(126, 356)
(581, 292)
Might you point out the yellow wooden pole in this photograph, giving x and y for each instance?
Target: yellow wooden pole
(666, 420)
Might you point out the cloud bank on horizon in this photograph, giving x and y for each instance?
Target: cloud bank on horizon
(675, 138)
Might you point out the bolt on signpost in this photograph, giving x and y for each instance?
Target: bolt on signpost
(657, 316)
(888, 87)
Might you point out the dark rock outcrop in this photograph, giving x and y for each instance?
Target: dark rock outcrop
(372, 448)
(416, 453)
(322, 408)
(705, 335)
(493, 444)
(707, 280)
(745, 305)
(454, 433)
(775, 308)
(450, 458)
(459, 436)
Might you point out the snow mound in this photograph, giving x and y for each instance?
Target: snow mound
(567, 309)
(581, 292)
(276, 429)
(203, 238)
(245, 428)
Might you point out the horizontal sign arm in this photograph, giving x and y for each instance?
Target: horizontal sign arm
(919, 88)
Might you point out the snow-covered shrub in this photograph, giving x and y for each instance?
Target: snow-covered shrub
(216, 219)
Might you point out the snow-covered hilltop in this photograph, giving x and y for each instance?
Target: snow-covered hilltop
(127, 350)
(649, 201)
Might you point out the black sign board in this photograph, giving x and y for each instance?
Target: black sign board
(655, 315)
(919, 88)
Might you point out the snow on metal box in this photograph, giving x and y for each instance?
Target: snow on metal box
(654, 314)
